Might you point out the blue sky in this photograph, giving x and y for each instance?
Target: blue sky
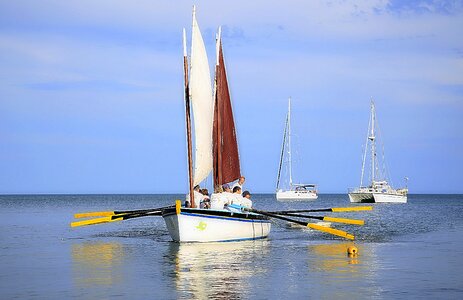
(91, 91)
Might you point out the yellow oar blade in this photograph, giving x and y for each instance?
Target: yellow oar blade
(353, 208)
(95, 221)
(331, 231)
(345, 221)
(94, 214)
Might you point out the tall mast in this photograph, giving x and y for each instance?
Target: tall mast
(218, 116)
(188, 119)
(373, 142)
(282, 151)
(289, 144)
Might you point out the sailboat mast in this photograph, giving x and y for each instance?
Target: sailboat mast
(373, 143)
(289, 144)
(188, 121)
(218, 107)
(282, 152)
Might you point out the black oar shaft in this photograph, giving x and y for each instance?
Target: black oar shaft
(284, 212)
(333, 209)
(329, 219)
(333, 231)
(278, 217)
(140, 211)
(305, 216)
(137, 215)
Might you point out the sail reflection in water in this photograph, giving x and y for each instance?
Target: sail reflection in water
(97, 264)
(217, 270)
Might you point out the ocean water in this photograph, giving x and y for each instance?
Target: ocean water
(412, 250)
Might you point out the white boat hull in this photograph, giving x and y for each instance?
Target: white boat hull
(377, 198)
(196, 225)
(390, 198)
(296, 195)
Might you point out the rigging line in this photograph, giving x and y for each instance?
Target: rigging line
(386, 173)
(365, 152)
(289, 145)
(282, 152)
(374, 163)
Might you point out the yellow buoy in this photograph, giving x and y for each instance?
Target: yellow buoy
(352, 250)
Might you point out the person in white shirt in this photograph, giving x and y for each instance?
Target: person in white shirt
(220, 199)
(198, 197)
(239, 199)
(247, 199)
(240, 182)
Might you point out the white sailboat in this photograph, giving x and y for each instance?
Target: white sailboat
(215, 149)
(379, 189)
(296, 191)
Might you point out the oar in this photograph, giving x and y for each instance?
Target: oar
(333, 209)
(310, 225)
(329, 219)
(119, 217)
(95, 221)
(114, 213)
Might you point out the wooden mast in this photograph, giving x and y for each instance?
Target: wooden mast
(218, 180)
(188, 121)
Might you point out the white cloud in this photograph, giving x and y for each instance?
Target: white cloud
(117, 65)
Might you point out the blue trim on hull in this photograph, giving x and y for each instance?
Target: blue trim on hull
(225, 218)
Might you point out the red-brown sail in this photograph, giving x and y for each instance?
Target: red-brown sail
(225, 147)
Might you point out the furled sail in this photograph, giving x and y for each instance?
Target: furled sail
(225, 147)
(202, 102)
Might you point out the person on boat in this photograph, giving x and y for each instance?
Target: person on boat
(221, 197)
(238, 199)
(240, 182)
(246, 201)
(237, 191)
(206, 202)
(198, 197)
(226, 188)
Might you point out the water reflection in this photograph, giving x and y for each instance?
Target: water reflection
(97, 264)
(334, 258)
(217, 270)
(339, 272)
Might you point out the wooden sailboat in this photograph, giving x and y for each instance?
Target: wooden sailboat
(296, 191)
(215, 148)
(379, 190)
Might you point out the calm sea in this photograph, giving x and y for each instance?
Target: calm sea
(412, 250)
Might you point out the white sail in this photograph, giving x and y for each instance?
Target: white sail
(202, 102)
(379, 190)
(296, 191)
